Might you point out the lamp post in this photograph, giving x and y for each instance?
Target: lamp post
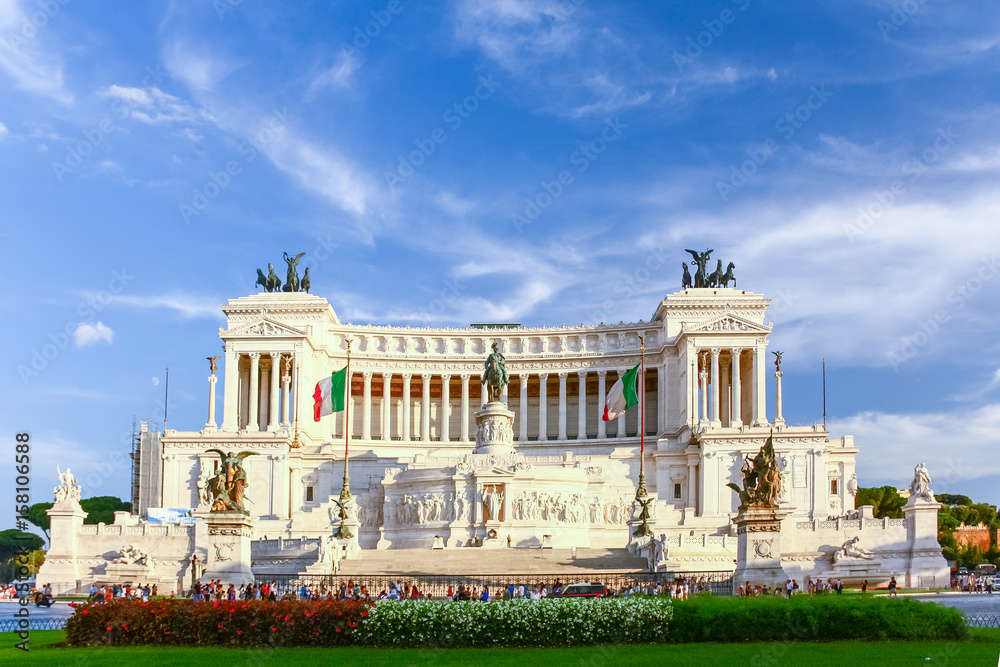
(641, 495)
(343, 531)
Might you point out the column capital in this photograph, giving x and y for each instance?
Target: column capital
(407, 376)
(736, 351)
(602, 374)
(715, 351)
(581, 374)
(466, 377)
(543, 376)
(275, 355)
(563, 375)
(368, 375)
(426, 376)
(446, 377)
(255, 356)
(523, 375)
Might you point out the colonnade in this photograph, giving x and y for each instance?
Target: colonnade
(260, 396)
(726, 386)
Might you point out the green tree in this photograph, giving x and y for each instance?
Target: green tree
(101, 509)
(36, 515)
(12, 543)
(885, 499)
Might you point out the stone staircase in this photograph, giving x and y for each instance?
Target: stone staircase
(492, 561)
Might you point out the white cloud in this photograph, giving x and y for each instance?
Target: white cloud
(338, 76)
(4, 132)
(955, 445)
(89, 334)
(198, 68)
(27, 53)
(516, 32)
(153, 106)
(186, 305)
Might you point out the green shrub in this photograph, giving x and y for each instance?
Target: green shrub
(547, 622)
(803, 618)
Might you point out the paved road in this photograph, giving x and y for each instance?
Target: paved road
(973, 604)
(58, 610)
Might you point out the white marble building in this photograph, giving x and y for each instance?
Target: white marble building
(415, 392)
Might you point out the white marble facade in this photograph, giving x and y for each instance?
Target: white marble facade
(706, 407)
(415, 392)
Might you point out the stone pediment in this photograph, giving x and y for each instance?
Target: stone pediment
(262, 327)
(726, 323)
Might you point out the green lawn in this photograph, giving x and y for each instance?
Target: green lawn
(981, 648)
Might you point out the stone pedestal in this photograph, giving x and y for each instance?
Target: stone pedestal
(228, 548)
(494, 429)
(438, 542)
(61, 568)
(758, 553)
(927, 566)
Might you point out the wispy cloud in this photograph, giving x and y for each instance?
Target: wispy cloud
(184, 304)
(28, 52)
(153, 106)
(340, 75)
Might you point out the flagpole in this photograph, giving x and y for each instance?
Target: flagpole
(345, 493)
(641, 495)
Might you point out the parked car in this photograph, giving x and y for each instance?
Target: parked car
(584, 591)
(963, 570)
(996, 584)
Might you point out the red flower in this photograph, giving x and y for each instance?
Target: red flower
(364, 613)
(109, 627)
(220, 626)
(274, 629)
(338, 629)
(340, 613)
(84, 611)
(287, 617)
(239, 632)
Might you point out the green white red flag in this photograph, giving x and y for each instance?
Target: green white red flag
(330, 395)
(623, 395)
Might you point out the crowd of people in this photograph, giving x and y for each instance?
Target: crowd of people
(679, 589)
(972, 583)
(100, 594)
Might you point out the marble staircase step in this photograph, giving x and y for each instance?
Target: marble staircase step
(492, 561)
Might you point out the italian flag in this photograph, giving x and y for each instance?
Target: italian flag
(623, 395)
(330, 394)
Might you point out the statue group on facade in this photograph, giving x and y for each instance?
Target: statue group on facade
(68, 489)
(702, 278)
(761, 479)
(228, 486)
(133, 555)
(272, 283)
(852, 549)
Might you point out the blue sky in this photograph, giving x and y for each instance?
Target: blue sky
(844, 155)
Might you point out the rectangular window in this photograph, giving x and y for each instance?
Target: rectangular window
(833, 487)
(677, 491)
(309, 494)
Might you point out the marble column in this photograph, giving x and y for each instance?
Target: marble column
(274, 411)
(622, 427)
(293, 399)
(692, 500)
(210, 424)
(562, 405)
(602, 396)
(523, 408)
(366, 407)
(253, 423)
(264, 411)
(703, 376)
(464, 428)
(386, 406)
(693, 383)
(661, 397)
(543, 406)
(779, 420)
(405, 430)
(736, 402)
(286, 383)
(425, 408)
(716, 388)
(581, 416)
(231, 389)
(445, 408)
(759, 387)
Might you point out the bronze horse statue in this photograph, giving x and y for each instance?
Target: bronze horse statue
(495, 375)
(727, 276)
(686, 277)
(715, 277)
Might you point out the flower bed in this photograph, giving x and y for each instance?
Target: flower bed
(548, 622)
(246, 624)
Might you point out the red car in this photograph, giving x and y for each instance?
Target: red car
(584, 591)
